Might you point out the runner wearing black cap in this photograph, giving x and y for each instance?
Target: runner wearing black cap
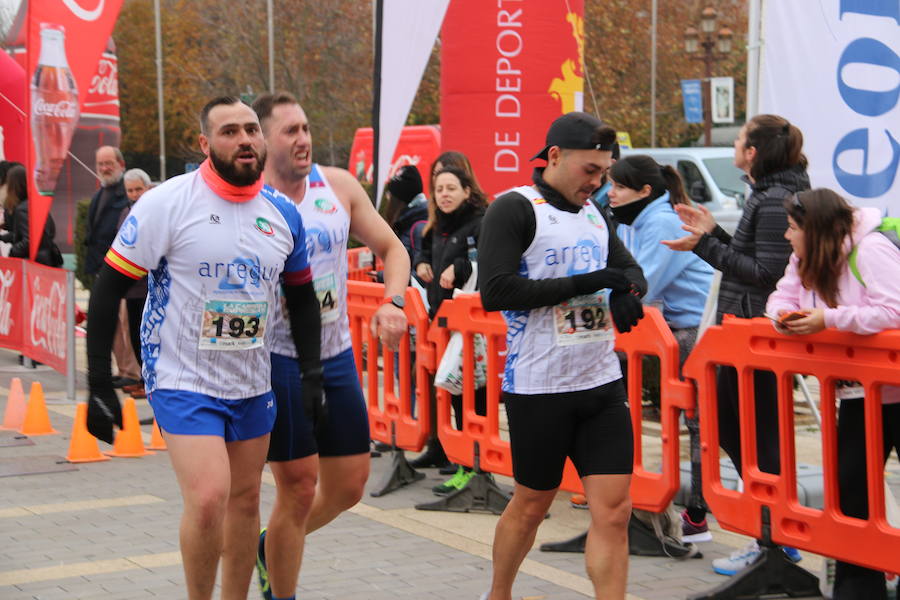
(552, 263)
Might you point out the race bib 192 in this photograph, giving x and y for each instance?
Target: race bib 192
(233, 325)
(582, 320)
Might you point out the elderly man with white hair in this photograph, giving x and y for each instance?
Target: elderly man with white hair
(136, 183)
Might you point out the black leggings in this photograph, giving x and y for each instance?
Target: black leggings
(480, 405)
(853, 581)
(135, 308)
(766, 392)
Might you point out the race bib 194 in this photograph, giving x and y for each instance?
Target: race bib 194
(583, 319)
(326, 292)
(233, 325)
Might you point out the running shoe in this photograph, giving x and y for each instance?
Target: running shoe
(737, 560)
(457, 482)
(261, 569)
(792, 553)
(694, 532)
(578, 501)
(746, 556)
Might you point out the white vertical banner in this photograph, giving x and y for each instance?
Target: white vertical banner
(409, 28)
(832, 67)
(721, 91)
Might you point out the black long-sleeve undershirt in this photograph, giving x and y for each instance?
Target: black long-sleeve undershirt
(508, 229)
(306, 325)
(102, 320)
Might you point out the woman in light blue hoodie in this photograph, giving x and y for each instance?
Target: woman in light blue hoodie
(641, 199)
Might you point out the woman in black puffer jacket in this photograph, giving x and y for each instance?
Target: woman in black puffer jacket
(16, 206)
(445, 263)
(770, 151)
(451, 235)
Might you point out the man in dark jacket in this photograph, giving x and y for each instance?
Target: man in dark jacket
(102, 225)
(106, 206)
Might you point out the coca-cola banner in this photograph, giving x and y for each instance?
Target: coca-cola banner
(64, 40)
(45, 315)
(12, 327)
(507, 70)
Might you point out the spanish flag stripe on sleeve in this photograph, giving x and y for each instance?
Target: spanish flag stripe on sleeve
(123, 265)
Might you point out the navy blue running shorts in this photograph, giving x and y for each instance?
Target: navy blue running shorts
(347, 428)
(592, 427)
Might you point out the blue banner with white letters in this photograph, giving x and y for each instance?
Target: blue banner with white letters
(692, 93)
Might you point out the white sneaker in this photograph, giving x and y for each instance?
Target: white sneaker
(738, 560)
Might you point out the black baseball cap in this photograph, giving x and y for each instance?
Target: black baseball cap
(575, 131)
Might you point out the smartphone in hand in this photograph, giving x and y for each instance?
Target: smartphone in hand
(791, 316)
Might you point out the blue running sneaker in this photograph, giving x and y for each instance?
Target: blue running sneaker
(264, 588)
(792, 553)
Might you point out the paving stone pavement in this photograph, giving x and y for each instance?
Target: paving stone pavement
(110, 530)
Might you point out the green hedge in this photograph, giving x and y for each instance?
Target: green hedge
(81, 213)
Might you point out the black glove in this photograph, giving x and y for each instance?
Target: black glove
(626, 309)
(611, 278)
(103, 411)
(314, 399)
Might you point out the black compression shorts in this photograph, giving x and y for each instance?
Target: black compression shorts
(592, 427)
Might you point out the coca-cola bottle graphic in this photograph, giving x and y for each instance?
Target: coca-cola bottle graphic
(54, 108)
(98, 126)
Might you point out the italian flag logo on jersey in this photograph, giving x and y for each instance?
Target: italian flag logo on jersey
(595, 220)
(264, 226)
(324, 205)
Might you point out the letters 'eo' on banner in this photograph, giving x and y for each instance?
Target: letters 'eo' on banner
(64, 41)
(847, 100)
(507, 70)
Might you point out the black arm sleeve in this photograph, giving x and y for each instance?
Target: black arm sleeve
(103, 318)
(769, 251)
(506, 232)
(306, 324)
(621, 258)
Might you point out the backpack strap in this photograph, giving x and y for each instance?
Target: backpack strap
(889, 228)
(851, 262)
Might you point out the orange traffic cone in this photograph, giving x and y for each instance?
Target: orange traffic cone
(83, 446)
(128, 443)
(157, 442)
(15, 406)
(37, 419)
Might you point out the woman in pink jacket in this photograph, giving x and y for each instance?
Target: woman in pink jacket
(819, 283)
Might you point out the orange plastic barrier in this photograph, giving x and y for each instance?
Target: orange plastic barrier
(650, 490)
(389, 408)
(830, 356)
(361, 261)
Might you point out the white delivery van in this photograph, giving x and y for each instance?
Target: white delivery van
(710, 178)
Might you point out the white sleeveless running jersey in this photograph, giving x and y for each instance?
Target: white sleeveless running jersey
(568, 347)
(214, 267)
(327, 227)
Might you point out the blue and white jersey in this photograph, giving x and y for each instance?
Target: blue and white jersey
(567, 347)
(214, 275)
(327, 226)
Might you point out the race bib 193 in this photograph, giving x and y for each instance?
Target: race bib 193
(326, 292)
(233, 325)
(583, 319)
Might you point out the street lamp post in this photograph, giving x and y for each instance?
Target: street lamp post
(714, 49)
